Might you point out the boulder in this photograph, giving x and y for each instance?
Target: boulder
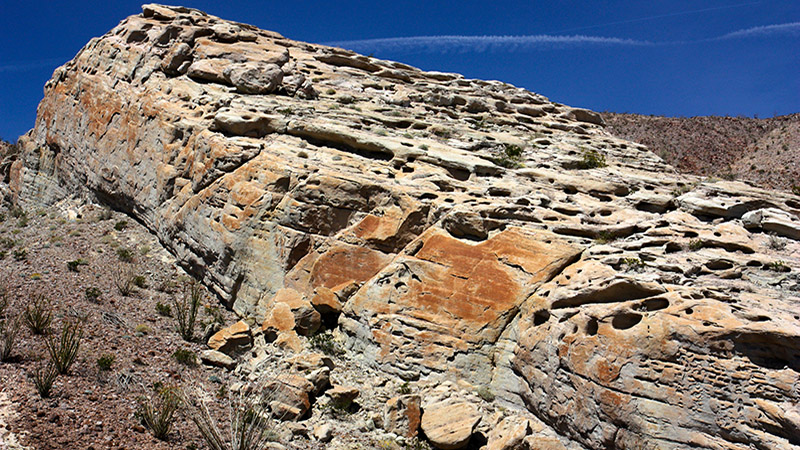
(290, 397)
(254, 78)
(449, 425)
(233, 339)
(288, 310)
(218, 359)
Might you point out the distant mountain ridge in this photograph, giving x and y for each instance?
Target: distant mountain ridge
(765, 152)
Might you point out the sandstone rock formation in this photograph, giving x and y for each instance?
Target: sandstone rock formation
(451, 228)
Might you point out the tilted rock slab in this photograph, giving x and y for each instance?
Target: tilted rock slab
(464, 228)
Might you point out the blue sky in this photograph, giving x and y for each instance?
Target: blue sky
(675, 58)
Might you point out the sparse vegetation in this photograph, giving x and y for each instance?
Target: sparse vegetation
(125, 255)
(510, 157)
(404, 389)
(121, 225)
(37, 315)
(9, 328)
(324, 342)
(250, 426)
(105, 362)
(186, 307)
(163, 309)
(64, 349)
(74, 264)
(158, 413)
(604, 237)
(778, 266)
(634, 264)
(776, 243)
(695, 244)
(592, 159)
(92, 294)
(123, 276)
(185, 357)
(796, 189)
(43, 378)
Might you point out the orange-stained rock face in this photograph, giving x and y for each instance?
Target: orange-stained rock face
(440, 307)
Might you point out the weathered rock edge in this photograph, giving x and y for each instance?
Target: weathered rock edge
(462, 223)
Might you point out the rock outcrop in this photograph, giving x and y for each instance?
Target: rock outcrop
(452, 228)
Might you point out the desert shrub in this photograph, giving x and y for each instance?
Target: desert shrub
(185, 357)
(604, 237)
(510, 157)
(404, 389)
(163, 310)
(215, 315)
(323, 341)
(37, 315)
(142, 329)
(121, 225)
(123, 276)
(796, 189)
(92, 294)
(634, 264)
(104, 214)
(778, 266)
(140, 281)
(592, 159)
(43, 378)
(20, 254)
(125, 254)
(63, 350)
(105, 362)
(74, 264)
(186, 306)
(251, 427)
(9, 328)
(157, 413)
(695, 244)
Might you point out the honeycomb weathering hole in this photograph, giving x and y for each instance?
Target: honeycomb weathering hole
(654, 304)
(626, 321)
(591, 327)
(540, 317)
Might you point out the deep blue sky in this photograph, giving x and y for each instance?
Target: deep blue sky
(675, 58)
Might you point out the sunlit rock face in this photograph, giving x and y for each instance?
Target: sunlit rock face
(461, 228)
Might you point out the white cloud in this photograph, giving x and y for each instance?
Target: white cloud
(22, 66)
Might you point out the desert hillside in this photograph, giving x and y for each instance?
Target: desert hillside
(765, 152)
(378, 257)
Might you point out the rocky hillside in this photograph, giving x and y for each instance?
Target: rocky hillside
(522, 276)
(765, 152)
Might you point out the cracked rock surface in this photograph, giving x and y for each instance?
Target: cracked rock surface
(462, 229)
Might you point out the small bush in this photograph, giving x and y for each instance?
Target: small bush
(74, 264)
(592, 159)
(140, 281)
(37, 315)
(324, 342)
(64, 350)
(185, 357)
(778, 266)
(695, 244)
(8, 337)
(142, 329)
(510, 157)
(104, 214)
(163, 310)
(92, 294)
(604, 237)
(20, 255)
(105, 362)
(125, 255)
(634, 264)
(186, 306)
(123, 277)
(158, 413)
(796, 189)
(404, 389)
(121, 225)
(43, 378)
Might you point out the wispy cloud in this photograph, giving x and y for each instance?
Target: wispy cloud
(481, 43)
(788, 29)
(22, 66)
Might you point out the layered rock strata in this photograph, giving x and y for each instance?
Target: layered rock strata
(461, 228)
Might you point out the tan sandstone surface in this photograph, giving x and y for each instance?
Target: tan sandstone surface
(451, 229)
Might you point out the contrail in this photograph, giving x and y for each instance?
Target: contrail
(480, 43)
(22, 66)
(660, 16)
(792, 28)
